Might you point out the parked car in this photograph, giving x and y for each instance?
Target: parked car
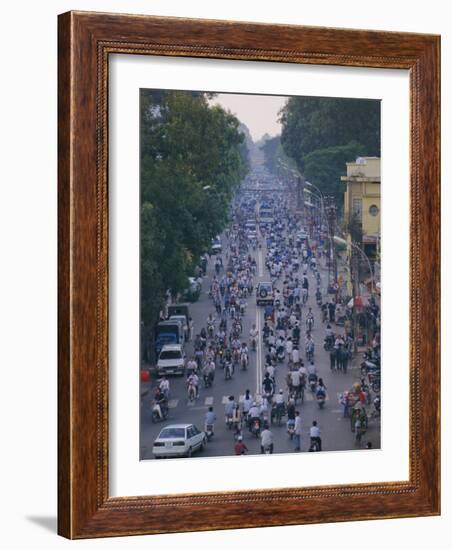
(184, 323)
(264, 294)
(216, 247)
(179, 440)
(171, 360)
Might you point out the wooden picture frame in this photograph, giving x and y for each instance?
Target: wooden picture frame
(86, 40)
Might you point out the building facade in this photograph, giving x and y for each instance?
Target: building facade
(362, 201)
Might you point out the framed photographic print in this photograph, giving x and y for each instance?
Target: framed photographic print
(248, 275)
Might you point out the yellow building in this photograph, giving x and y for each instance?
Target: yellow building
(362, 200)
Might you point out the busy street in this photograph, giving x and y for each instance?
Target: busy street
(267, 362)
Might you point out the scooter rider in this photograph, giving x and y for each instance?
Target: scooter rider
(253, 414)
(268, 385)
(315, 435)
(254, 334)
(193, 380)
(244, 354)
(229, 408)
(266, 440)
(239, 447)
(210, 419)
(164, 386)
(161, 402)
(278, 400)
(208, 372)
(247, 403)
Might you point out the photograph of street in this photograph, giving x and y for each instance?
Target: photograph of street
(260, 290)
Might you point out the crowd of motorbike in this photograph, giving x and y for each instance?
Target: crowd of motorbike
(222, 346)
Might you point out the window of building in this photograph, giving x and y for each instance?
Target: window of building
(373, 210)
(358, 208)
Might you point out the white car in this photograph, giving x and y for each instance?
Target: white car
(179, 440)
(171, 360)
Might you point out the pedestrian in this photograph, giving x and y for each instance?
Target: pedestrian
(297, 432)
(332, 359)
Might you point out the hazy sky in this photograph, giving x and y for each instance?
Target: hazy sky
(258, 112)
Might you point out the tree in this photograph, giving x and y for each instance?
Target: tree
(311, 123)
(322, 134)
(324, 168)
(192, 161)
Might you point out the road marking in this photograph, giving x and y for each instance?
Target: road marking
(259, 352)
(208, 401)
(225, 399)
(172, 403)
(260, 264)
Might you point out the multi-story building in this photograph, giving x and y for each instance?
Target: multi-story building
(362, 201)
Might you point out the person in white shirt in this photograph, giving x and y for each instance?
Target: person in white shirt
(297, 432)
(289, 349)
(296, 357)
(266, 440)
(315, 433)
(192, 365)
(271, 371)
(193, 379)
(254, 411)
(247, 402)
(164, 386)
(279, 398)
(295, 379)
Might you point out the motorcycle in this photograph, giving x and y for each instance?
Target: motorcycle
(312, 381)
(253, 344)
(369, 367)
(315, 446)
(210, 330)
(209, 431)
(244, 361)
(256, 427)
(208, 380)
(267, 449)
(228, 370)
(191, 392)
(291, 429)
(280, 355)
(328, 343)
(159, 412)
(229, 421)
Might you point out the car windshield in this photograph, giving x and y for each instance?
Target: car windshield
(169, 433)
(170, 355)
(266, 286)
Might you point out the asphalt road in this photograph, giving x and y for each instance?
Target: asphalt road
(335, 429)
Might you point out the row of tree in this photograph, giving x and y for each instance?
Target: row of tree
(321, 134)
(193, 158)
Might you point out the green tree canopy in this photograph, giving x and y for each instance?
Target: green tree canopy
(321, 134)
(324, 168)
(192, 161)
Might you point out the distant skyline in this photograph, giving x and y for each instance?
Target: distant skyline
(258, 112)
